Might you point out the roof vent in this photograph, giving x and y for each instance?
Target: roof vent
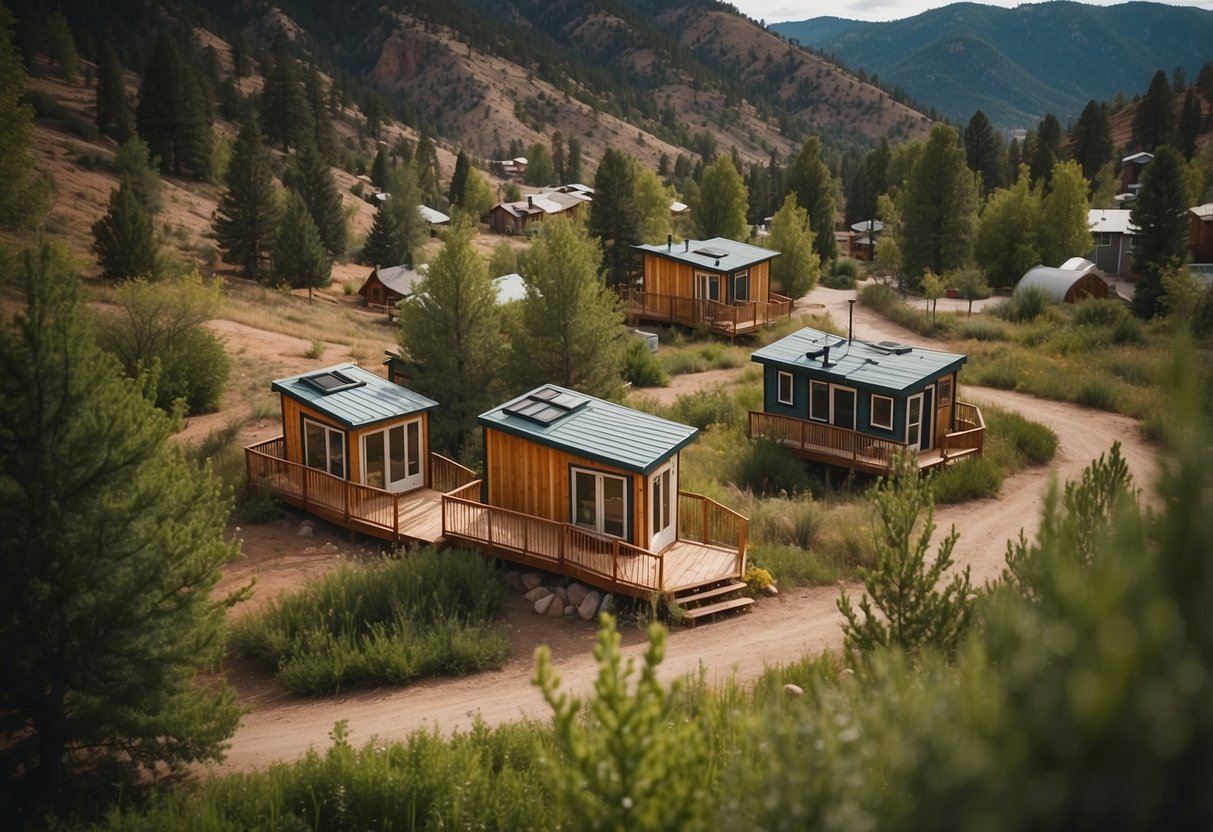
(715, 253)
(332, 381)
(892, 347)
(546, 405)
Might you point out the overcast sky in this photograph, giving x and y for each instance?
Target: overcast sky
(773, 11)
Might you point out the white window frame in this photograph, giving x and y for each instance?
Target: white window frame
(414, 475)
(1103, 239)
(703, 286)
(872, 412)
(663, 506)
(599, 501)
(780, 376)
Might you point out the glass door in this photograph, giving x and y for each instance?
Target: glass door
(663, 508)
(843, 407)
(324, 448)
(391, 458)
(914, 421)
(600, 502)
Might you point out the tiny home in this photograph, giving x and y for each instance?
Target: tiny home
(718, 283)
(355, 450)
(387, 286)
(853, 404)
(1112, 231)
(589, 488)
(1075, 280)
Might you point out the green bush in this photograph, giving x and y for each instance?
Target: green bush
(847, 267)
(1099, 312)
(973, 478)
(1098, 393)
(878, 296)
(790, 521)
(1026, 304)
(767, 469)
(838, 281)
(712, 406)
(388, 623)
(981, 329)
(1003, 374)
(195, 369)
(793, 566)
(1034, 443)
(641, 367)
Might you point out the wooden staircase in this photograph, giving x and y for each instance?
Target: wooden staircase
(709, 600)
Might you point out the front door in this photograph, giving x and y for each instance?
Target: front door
(843, 410)
(914, 421)
(392, 457)
(600, 502)
(663, 508)
(707, 286)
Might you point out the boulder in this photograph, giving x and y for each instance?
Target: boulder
(607, 605)
(561, 593)
(328, 549)
(577, 593)
(530, 580)
(537, 593)
(589, 606)
(513, 581)
(555, 607)
(304, 531)
(570, 610)
(544, 604)
(310, 550)
(791, 691)
(771, 589)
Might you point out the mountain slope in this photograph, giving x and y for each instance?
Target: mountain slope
(1049, 57)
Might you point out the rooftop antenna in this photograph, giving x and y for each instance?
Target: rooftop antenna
(851, 320)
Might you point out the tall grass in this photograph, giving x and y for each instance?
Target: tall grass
(884, 299)
(387, 623)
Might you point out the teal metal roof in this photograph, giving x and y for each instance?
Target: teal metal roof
(365, 400)
(722, 254)
(595, 429)
(858, 362)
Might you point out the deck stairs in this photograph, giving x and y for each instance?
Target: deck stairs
(712, 599)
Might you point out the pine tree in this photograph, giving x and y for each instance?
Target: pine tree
(1091, 141)
(1154, 121)
(122, 239)
(312, 179)
(574, 164)
(938, 207)
(983, 152)
(113, 108)
(1160, 215)
(1189, 124)
(652, 206)
(1204, 85)
(451, 328)
(248, 209)
(914, 609)
(798, 266)
(1048, 148)
(383, 246)
(817, 192)
(379, 168)
(22, 194)
(571, 325)
(427, 173)
(459, 179)
(140, 173)
(113, 547)
(558, 159)
(285, 113)
(171, 113)
(240, 58)
(61, 46)
(721, 208)
(1007, 242)
(1064, 229)
(614, 220)
(299, 255)
(322, 126)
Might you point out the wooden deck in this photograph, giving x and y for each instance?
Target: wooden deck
(730, 319)
(401, 517)
(710, 546)
(819, 442)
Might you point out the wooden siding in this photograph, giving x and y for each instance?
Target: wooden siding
(944, 410)
(663, 276)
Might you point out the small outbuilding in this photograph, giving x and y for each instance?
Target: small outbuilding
(1066, 285)
(386, 286)
(1200, 233)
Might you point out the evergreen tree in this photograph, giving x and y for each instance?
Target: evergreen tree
(171, 113)
(22, 193)
(1160, 215)
(983, 152)
(1048, 148)
(113, 546)
(122, 239)
(240, 57)
(539, 168)
(938, 207)
(399, 229)
(478, 197)
(1091, 140)
(285, 111)
(379, 168)
(614, 220)
(299, 255)
(1204, 85)
(61, 46)
(113, 109)
(1064, 229)
(558, 159)
(917, 610)
(451, 329)
(571, 325)
(817, 192)
(1154, 121)
(652, 206)
(720, 210)
(322, 127)
(312, 179)
(427, 171)
(1189, 124)
(1014, 160)
(574, 164)
(382, 247)
(797, 267)
(459, 180)
(248, 209)
(140, 173)
(1007, 242)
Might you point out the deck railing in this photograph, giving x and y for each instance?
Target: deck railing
(355, 506)
(969, 436)
(727, 318)
(702, 520)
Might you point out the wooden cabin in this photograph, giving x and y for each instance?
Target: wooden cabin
(355, 450)
(718, 283)
(854, 404)
(589, 488)
(387, 286)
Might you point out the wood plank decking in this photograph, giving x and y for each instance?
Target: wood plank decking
(730, 319)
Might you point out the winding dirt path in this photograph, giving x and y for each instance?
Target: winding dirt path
(279, 727)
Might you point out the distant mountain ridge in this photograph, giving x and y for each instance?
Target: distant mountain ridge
(1017, 64)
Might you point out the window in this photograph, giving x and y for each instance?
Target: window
(819, 401)
(707, 286)
(843, 413)
(1128, 243)
(600, 502)
(882, 412)
(785, 392)
(663, 486)
(945, 390)
(741, 286)
(1103, 239)
(324, 448)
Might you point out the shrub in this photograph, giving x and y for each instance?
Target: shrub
(981, 329)
(315, 349)
(787, 521)
(1026, 304)
(792, 566)
(641, 367)
(1002, 374)
(712, 406)
(194, 368)
(1030, 442)
(838, 281)
(972, 478)
(766, 469)
(757, 579)
(1098, 393)
(847, 267)
(878, 296)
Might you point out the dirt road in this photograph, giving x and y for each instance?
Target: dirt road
(778, 630)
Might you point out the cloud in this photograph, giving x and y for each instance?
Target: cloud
(779, 10)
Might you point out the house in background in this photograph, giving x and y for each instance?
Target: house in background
(1130, 176)
(354, 450)
(1200, 233)
(852, 404)
(1113, 233)
(863, 237)
(1074, 280)
(385, 287)
(516, 217)
(720, 284)
(590, 489)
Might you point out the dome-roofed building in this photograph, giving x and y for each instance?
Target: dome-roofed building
(1075, 280)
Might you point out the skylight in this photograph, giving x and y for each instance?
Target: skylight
(546, 405)
(712, 252)
(332, 381)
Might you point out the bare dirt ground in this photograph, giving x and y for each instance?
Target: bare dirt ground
(282, 727)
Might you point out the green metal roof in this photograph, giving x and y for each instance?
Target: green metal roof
(365, 400)
(717, 254)
(593, 428)
(882, 365)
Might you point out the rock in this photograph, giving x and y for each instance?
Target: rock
(555, 607)
(793, 691)
(577, 593)
(570, 610)
(328, 549)
(513, 581)
(537, 593)
(304, 531)
(607, 605)
(561, 593)
(544, 604)
(771, 589)
(588, 609)
(310, 550)
(530, 580)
